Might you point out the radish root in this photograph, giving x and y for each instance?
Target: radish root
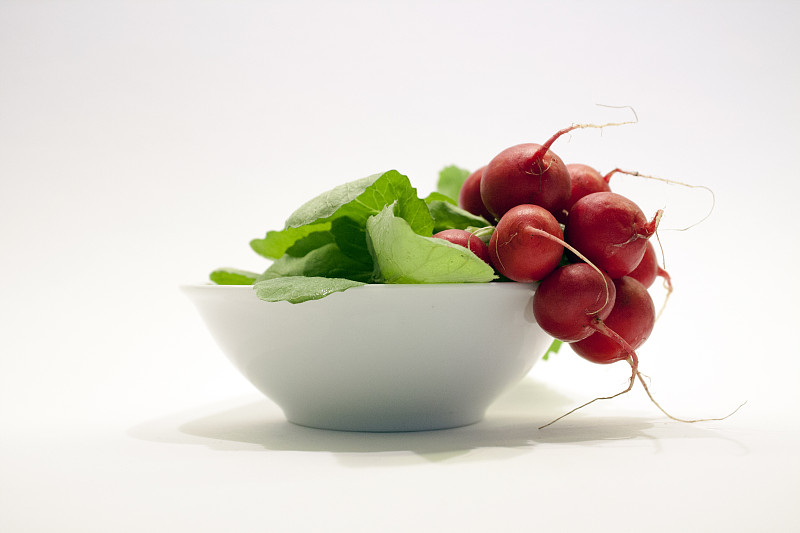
(663, 274)
(635, 374)
(632, 359)
(668, 286)
(549, 142)
(685, 420)
(620, 393)
(539, 154)
(607, 179)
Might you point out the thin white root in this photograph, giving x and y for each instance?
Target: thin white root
(636, 374)
(635, 116)
(671, 182)
(627, 389)
(687, 421)
(668, 287)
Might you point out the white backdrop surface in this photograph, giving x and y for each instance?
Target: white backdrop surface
(143, 144)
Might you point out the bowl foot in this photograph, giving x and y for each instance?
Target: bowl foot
(393, 424)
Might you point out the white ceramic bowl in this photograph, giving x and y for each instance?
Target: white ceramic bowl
(379, 357)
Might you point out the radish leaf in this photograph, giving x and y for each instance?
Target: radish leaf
(297, 289)
(402, 256)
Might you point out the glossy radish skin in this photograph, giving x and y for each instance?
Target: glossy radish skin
(467, 240)
(525, 174)
(571, 299)
(584, 180)
(648, 269)
(632, 318)
(611, 231)
(469, 197)
(518, 248)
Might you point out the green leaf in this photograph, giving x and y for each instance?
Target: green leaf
(450, 181)
(402, 256)
(325, 205)
(364, 198)
(310, 242)
(437, 196)
(232, 276)
(357, 201)
(297, 289)
(351, 238)
(326, 261)
(553, 349)
(448, 216)
(275, 243)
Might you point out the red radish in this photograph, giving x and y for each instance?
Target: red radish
(625, 328)
(466, 239)
(469, 197)
(525, 174)
(530, 174)
(585, 180)
(571, 300)
(632, 319)
(648, 269)
(619, 334)
(647, 272)
(610, 230)
(526, 244)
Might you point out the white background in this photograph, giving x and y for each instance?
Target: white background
(143, 144)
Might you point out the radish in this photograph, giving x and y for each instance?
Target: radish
(631, 320)
(466, 239)
(624, 329)
(572, 301)
(527, 243)
(649, 269)
(530, 174)
(647, 272)
(610, 230)
(585, 180)
(469, 197)
(525, 174)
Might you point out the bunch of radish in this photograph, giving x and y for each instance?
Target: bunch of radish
(588, 248)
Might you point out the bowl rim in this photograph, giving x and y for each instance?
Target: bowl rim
(383, 286)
